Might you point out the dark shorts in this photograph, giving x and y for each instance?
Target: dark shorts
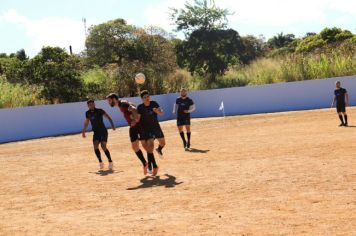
(153, 133)
(100, 136)
(340, 108)
(136, 133)
(181, 121)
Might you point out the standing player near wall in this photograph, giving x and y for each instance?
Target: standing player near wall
(341, 98)
(136, 131)
(185, 106)
(95, 116)
(148, 112)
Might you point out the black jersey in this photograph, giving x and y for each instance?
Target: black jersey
(149, 118)
(183, 104)
(96, 120)
(340, 95)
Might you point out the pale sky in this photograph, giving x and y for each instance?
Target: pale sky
(32, 24)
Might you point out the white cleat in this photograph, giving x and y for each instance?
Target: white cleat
(111, 165)
(149, 172)
(101, 165)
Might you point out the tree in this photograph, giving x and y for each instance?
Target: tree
(210, 52)
(109, 42)
(253, 48)
(281, 40)
(58, 73)
(199, 15)
(21, 55)
(209, 48)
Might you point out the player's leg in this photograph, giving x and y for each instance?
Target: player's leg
(345, 118)
(107, 153)
(189, 134)
(158, 134)
(181, 133)
(97, 152)
(135, 144)
(150, 156)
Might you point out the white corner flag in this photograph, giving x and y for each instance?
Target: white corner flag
(222, 108)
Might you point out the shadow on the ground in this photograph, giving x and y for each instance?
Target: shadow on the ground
(350, 126)
(149, 181)
(105, 172)
(195, 150)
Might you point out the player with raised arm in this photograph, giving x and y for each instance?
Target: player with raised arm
(95, 117)
(129, 112)
(183, 107)
(148, 112)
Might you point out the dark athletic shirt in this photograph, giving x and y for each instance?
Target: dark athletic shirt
(149, 118)
(183, 104)
(340, 96)
(96, 120)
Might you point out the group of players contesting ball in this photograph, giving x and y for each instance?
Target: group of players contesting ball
(145, 127)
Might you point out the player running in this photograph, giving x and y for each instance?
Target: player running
(148, 112)
(185, 106)
(341, 98)
(95, 116)
(136, 132)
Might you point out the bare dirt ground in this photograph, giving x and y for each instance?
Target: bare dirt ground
(274, 174)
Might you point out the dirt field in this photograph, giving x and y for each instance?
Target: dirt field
(275, 174)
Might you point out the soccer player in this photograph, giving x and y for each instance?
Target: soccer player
(148, 112)
(185, 106)
(136, 131)
(95, 116)
(341, 98)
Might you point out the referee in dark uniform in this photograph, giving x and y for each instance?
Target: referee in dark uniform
(341, 98)
(95, 117)
(183, 107)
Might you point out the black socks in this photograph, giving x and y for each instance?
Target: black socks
(183, 139)
(107, 153)
(98, 154)
(189, 135)
(151, 160)
(140, 156)
(340, 117)
(345, 117)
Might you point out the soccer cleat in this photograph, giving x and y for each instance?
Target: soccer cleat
(149, 172)
(342, 124)
(155, 171)
(346, 124)
(160, 153)
(101, 165)
(145, 169)
(111, 165)
(188, 145)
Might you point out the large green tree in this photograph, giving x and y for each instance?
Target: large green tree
(210, 48)
(58, 74)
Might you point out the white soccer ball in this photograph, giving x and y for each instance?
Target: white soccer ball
(140, 78)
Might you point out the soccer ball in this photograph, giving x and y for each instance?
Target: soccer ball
(140, 78)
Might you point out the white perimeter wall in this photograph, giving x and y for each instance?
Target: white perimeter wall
(50, 120)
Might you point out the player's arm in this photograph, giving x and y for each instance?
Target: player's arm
(333, 102)
(174, 108)
(110, 120)
(191, 107)
(86, 124)
(347, 99)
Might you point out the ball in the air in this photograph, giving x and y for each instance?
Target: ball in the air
(140, 78)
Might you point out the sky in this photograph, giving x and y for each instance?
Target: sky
(33, 24)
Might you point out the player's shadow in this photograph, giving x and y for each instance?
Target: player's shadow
(350, 126)
(104, 172)
(195, 150)
(149, 182)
